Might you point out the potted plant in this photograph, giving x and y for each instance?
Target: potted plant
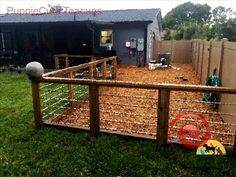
(3, 69)
(18, 68)
(11, 68)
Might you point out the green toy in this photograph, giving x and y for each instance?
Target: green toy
(212, 97)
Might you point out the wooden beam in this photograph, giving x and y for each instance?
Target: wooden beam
(173, 59)
(56, 60)
(74, 68)
(104, 70)
(209, 59)
(95, 72)
(234, 150)
(67, 62)
(36, 103)
(128, 84)
(163, 116)
(197, 59)
(94, 110)
(114, 68)
(91, 71)
(93, 58)
(222, 57)
(203, 49)
(70, 90)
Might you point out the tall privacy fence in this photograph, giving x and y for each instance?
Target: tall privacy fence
(68, 99)
(206, 56)
(180, 50)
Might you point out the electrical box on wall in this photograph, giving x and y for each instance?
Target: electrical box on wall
(140, 46)
(133, 43)
(127, 44)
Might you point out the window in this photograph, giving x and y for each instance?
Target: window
(106, 37)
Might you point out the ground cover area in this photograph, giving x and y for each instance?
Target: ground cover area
(134, 111)
(26, 151)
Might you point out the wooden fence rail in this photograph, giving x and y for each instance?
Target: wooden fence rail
(91, 65)
(66, 59)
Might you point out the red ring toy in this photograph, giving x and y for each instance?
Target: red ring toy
(193, 134)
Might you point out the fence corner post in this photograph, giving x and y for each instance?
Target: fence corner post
(35, 71)
(94, 110)
(163, 116)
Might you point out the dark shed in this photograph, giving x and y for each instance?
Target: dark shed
(129, 34)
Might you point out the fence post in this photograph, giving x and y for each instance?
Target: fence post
(70, 90)
(222, 57)
(104, 70)
(67, 61)
(91, 71)
(234, 150)
(36, 103)
(193, 52)
(56, 60)
(197, 59)
(203, 48)
(209, 59)
(114, 67)
(163, 116)
(93, 58)
(95, 72)
(35, 71)
(173, 50)
(94, 110)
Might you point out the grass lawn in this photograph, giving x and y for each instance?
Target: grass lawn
(26, 151)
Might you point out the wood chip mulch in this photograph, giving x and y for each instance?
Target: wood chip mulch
(135, 110)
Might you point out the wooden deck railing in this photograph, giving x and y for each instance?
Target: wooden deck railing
(66, 59)
(92, 68)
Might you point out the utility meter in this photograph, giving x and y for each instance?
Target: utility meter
(140, 46)
(133, 43)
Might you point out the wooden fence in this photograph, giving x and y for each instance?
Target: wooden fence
(92, 68)
(65, 59)
(180, 50)
(220, 55)
(65, 77)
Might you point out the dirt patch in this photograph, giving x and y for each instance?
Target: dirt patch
(135, 110)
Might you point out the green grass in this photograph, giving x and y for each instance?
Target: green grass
(26, 151)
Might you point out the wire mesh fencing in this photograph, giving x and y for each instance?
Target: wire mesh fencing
(188, 112)
(60, 106)
(129, 111)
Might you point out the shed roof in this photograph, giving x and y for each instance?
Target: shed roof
(129, 15)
